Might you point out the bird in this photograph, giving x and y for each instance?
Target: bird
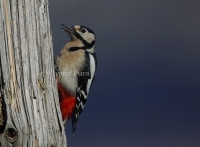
(75, 68)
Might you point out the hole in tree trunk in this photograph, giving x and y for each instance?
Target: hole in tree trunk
(11, 135)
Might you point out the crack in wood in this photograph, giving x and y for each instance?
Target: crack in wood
(42, 85)
(1, 113)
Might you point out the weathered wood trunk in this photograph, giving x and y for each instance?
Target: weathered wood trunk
(29, 107)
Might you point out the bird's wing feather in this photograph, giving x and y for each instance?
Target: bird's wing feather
(85, 79)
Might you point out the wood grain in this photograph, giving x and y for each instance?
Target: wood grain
(27, 80)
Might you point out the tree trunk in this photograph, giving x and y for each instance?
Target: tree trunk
(29, 107)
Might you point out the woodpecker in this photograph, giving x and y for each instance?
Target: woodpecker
(75, 67)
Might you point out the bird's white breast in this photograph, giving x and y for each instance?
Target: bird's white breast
(70, 65)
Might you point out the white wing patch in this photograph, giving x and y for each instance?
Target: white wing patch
(83, 89)
(92, 71)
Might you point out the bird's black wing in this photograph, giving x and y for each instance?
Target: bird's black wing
(85, 80)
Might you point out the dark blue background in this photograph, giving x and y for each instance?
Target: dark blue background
(147, 87)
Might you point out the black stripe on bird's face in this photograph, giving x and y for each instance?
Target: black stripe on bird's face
(78, 36)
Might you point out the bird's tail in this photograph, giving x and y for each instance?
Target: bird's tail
(74, 122)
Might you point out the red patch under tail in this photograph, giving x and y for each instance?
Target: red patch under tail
(67, 102)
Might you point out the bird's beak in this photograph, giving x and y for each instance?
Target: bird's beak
(67, 29)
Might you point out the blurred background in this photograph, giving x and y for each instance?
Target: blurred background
(147, 87)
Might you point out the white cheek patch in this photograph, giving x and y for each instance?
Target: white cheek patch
(89, 37)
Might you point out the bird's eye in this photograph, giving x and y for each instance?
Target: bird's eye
(83, 30)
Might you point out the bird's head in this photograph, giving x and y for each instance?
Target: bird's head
(82, 33)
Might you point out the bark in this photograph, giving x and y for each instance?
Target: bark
(29, 107)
